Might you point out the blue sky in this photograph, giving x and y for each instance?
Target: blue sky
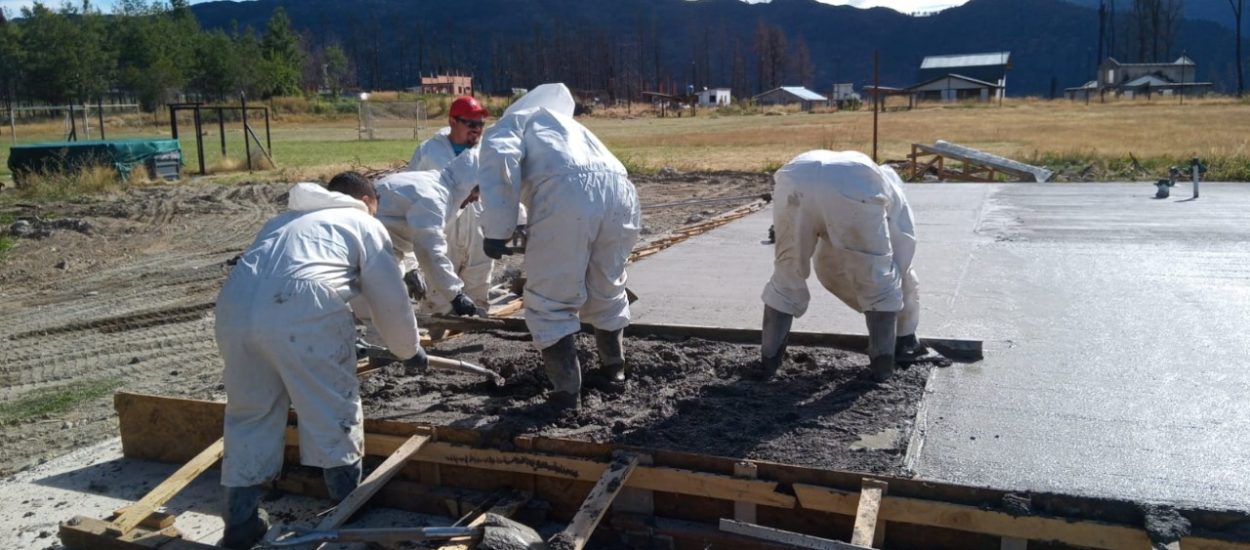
(905, 6)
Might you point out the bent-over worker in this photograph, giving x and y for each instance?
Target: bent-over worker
(584, 219)
(465, 122)
(418, 208)
(847, 216)
(287, 337)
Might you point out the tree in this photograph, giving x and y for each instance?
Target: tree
(1155, 24)
(335, 68)
(803, 69)
(65, 57)
(280, 48)
(11, 60)
(215, 71)
(1237, 6)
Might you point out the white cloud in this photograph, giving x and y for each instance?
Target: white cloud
(905, 6)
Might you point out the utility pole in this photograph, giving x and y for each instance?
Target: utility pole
(876, 98)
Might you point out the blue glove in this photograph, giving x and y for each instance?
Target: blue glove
(417, 364)
(463, 305)
(496, 248)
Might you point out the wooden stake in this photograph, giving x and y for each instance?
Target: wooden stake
(373, 483)
(139, 511)
(596, 504)
(866, 531)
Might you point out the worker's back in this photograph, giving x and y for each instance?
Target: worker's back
(322, 238)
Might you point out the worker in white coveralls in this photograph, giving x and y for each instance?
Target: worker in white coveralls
(584, 219)
(287, 337)
(465, 122)
(417, 208)
(847, 216)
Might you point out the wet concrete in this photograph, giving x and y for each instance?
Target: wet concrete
(1114, 327)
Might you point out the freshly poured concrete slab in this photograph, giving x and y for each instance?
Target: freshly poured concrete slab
(1114, 324)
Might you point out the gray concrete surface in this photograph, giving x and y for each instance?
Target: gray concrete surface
(1114, 323)
(96, 480)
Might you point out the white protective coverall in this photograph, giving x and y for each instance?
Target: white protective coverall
(848, 217)
(584, 216)
(415, 207)
(464, 230)
(287, 336)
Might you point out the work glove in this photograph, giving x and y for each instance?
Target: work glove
(417, 364)
(496, 248)
(415, 284)
(463, 305)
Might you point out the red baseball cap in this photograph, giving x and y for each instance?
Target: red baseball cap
(468, 107)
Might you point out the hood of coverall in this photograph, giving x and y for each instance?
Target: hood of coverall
(555, 97)
(306, 197)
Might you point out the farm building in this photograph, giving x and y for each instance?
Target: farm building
(447, 84)
(715, 97)
(978, 76)
(789, 95)
(1137, 79)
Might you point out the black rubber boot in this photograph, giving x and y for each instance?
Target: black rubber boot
(775, 334)
(907, 349)
(881, 343)
(342, 480)
(613, 371)
(245, 522)
(564, 371)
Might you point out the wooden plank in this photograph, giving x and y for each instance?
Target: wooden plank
(1091, 534)
(370, 486)
(654, 478)
(139, 511)
(155, 521)
(578, 532)
(789, 538)
(745, 511)
(84, 533)
(866, 531)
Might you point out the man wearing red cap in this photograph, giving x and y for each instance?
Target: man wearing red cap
(464, 233)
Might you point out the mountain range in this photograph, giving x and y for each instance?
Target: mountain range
(1054, 43)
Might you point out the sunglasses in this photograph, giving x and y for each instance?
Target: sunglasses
(472, 124)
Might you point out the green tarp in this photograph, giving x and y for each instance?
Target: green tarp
(122, 154)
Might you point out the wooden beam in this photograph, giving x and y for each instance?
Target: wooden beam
(578, 532)
(370, 486)
(84, 533)
(139, 511)
(789, 538)
(1090, 534)
(654, 478)
(154, 522)
(867, 530)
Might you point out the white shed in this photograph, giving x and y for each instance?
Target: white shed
(787, 95)
(954, 87)
(715, 97)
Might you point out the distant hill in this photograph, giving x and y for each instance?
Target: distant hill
(1217, 11)
(658, 43)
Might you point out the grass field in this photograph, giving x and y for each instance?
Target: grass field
(1060, 134)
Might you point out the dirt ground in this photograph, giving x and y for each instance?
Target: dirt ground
(690, 395)
(124, 300)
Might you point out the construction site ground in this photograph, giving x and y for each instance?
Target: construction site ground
(1114, 362)
(1109, 370)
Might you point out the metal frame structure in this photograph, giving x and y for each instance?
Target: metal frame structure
(248, 134)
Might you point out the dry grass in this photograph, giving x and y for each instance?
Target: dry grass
(1030, 130)
(91, 180)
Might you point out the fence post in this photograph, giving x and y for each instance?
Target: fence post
(221, 130)
(99, 107)
(173, 121)
(199, 139)
(247, 144)
(12, 124)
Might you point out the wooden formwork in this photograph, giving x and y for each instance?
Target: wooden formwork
(667, 499)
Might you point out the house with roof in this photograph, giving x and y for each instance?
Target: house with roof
(789, 95)
(1136, 79)
(962, 77)
(715, 97)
